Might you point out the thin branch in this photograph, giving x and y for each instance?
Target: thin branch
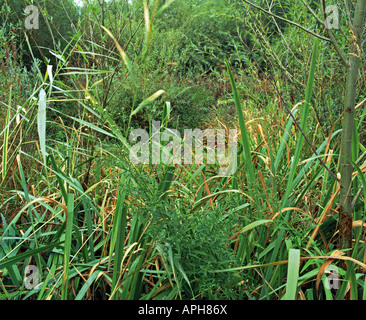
(288, 21)
(333, 40)
(312, 12)
(356, 197)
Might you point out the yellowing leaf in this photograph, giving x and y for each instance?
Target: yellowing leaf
(123, 54)
(148, 100)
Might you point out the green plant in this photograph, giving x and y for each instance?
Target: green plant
(98, 226)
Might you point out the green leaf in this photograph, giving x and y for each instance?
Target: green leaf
(255, 224)
(6, 138)
(68, 239)
(87, 285)
(292, 274)
(7, 262)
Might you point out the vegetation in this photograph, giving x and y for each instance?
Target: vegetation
(81, 221)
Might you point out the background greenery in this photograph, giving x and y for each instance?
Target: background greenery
(98, 227)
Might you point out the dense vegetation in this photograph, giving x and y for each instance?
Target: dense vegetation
(79, 220)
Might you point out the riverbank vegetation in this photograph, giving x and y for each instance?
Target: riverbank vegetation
(80, 221)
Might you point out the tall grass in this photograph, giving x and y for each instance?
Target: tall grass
(97, 226)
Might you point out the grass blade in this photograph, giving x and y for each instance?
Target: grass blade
(6, 138)
(292, 274)
(123, 54)
(148, 101)
(244, 131)
(118, 236)
(304, 118)
(67, 248)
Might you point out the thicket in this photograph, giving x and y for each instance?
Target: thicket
(74, 205)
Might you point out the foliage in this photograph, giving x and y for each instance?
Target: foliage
(57, 22)
(98, 226)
